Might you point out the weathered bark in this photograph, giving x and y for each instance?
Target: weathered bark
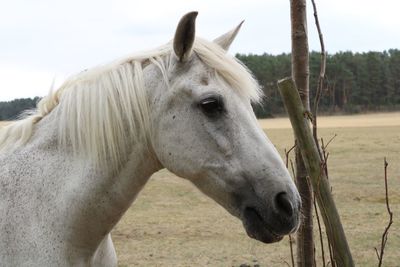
(314, 166)
(300, 74)
(300, 57)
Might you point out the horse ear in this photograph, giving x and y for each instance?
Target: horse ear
(226, 39)
(184, 36)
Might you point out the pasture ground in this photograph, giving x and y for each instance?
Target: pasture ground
(173, 224)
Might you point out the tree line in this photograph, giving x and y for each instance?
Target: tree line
(10, 110)
(355, 82)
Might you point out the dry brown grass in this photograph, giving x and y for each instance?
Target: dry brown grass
(172, 224)
(345, 121)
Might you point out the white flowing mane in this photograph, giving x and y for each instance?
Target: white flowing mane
(102, 111)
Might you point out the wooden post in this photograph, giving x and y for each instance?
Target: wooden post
(300, 74)
(299, 119)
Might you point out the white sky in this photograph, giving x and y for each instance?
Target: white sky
(44, 40)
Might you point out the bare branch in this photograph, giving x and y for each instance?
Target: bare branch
(325, 154)
(320, 78)
(327, 144)
(291, 249)
(386, 232)
(377, 254)
(322, 154)
(321, 239)
(287, 155)
(287, 167)
(292, 167)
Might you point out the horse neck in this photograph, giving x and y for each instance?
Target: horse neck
(99, 197)
(117, 190)
(109, 194)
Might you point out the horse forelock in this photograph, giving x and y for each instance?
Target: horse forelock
(104, 110)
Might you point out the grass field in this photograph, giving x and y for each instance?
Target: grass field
(173, 224)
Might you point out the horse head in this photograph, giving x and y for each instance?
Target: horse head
(204, 129)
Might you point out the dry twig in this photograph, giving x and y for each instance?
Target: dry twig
(287, 166)
(325, 155)
(287, 155)
(321, 239)
(291, 249)
(321, 76)
(386, 232)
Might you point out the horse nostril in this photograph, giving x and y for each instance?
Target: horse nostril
(283, 204)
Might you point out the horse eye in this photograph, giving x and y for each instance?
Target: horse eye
(212, 106)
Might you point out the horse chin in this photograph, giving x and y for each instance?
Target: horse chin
(257, 228)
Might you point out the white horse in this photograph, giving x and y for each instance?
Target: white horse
(70, 170)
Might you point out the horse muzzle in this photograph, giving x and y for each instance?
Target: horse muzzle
(269, 225)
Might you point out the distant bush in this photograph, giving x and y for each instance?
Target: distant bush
(355, 82)
(10, 110)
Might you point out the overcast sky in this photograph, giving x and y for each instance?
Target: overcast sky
(44, 40)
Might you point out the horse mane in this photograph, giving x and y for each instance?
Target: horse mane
(101, 110)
